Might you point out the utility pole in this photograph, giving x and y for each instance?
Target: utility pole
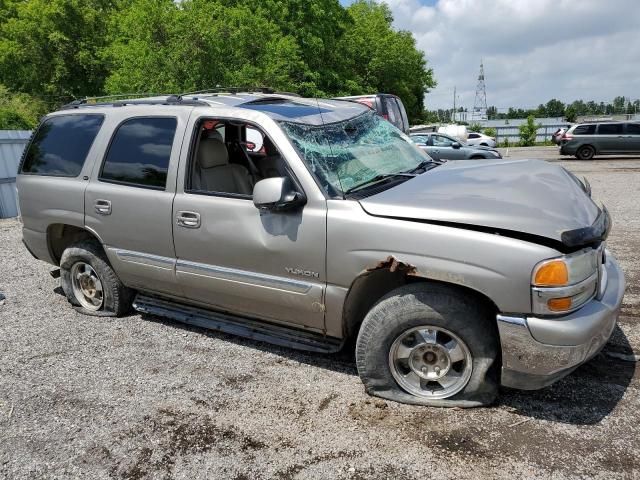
(453, 117)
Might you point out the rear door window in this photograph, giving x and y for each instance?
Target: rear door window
(585, 129)
(139, 152)
(609, 128)
(61, 144)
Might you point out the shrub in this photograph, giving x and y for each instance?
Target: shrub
(528, 132)
(490, 132)
(475, 127)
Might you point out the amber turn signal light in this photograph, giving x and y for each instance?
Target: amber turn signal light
(552, 274)
(559, 304)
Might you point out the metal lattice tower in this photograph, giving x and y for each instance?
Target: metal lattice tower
(480, 103)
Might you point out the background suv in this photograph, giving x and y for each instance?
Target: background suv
(387, 106)
(586, 140)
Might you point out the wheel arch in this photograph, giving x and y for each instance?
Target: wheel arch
(61, 235)
(373, 284)
(589, 145)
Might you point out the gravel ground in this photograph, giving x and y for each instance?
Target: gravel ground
(141, 397)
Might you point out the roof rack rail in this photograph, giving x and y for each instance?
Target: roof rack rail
(169, 100)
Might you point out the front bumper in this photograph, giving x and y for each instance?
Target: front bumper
(538, 351)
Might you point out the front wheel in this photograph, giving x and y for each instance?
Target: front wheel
(429, 344)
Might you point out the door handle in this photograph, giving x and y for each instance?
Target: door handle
(103, 207)
(188, 219)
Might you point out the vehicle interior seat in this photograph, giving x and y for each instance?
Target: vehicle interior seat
(214, 173)
(272, 165)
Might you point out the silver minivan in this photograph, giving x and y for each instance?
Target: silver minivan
(587, 140)
(449, 278)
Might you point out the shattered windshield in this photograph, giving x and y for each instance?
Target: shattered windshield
(348, 154)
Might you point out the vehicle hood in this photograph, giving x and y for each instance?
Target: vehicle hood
(529, 197)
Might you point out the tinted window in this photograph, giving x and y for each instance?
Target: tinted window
(585, 129)
(140, 151)
(61, 144)
(474, 135)
(633, 128)
(609, 128)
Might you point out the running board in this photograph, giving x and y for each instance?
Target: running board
(241, 326)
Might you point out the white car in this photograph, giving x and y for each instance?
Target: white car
(475, 138)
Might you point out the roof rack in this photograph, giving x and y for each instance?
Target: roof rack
(169, 100)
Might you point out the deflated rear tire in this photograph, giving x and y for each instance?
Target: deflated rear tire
(89, 282)
(429, 344)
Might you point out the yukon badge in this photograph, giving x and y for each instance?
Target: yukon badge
(301, 272)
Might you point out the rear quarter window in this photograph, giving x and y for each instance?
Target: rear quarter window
(61, 144)
(585, 129)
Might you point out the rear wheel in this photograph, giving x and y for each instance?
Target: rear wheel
(90, 283)
(429, 344)
(477, 157)
(586, 152)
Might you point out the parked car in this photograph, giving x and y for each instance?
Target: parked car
(480, 139)
(443, 147)
(388, 106)
(587, 140)
(450, 278)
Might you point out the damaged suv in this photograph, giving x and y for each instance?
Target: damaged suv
(450, 279)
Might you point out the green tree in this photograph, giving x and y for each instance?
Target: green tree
(381, 59)
(19, 111)
(52, 47)
(164, 46)
(619, 104)
(528, 131)
(554, 108)
(475, 127)
(317, 28)
(570, 114)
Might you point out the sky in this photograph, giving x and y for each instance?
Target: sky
(532, 50)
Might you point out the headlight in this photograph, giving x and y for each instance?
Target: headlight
(564, 284)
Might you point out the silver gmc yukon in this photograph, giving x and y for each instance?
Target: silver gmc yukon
(316, 224)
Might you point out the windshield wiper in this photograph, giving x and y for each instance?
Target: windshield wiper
(378, 178)
(425, 165)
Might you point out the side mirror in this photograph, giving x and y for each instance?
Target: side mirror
(456, 145)
(276, 194)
